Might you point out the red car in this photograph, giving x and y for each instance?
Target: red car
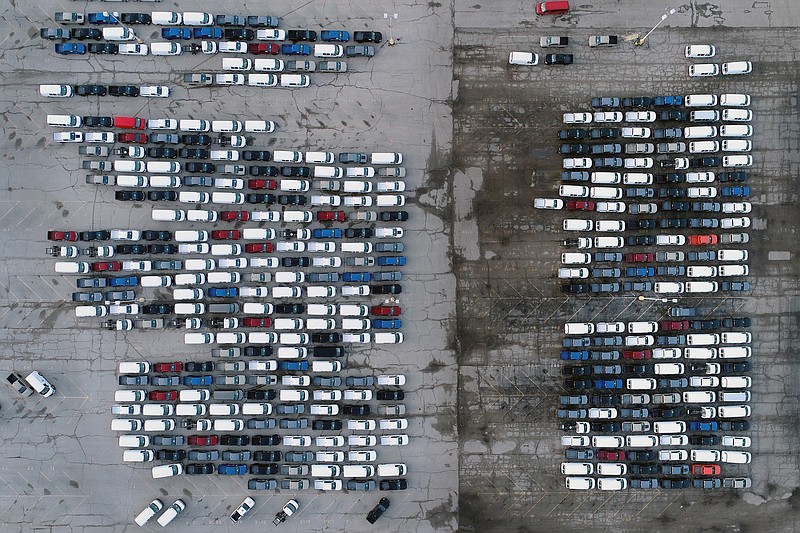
(262, 184)
(130, 122)
(639, 258)
(338, 216)
(139, 138)
(226, 234)
(167, 367)
(257, 322)
(163, 395)
(705, 470)
(103, 266)
(234, 215)
(259, 247)
(611, 455)
(55, 235)
(385, 310)
(699, 240)
(203, 440)
(637, 354)
(673, 325)
(580, 205)
(263, 48)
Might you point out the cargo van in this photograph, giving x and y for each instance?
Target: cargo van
(736, 337)
(552, 7)
(262, 80)
(318, 470)
(236, 63)
(737, 115)
(64, 121)
(134, 441)
(734, 270)
(118, 33)
(734, 100)
(641, 441)
(191, 235)
(668, 368)
(327, 172)
(83, 311)
(295, 185)
(736, 382)
(702, 339)
(701, 271)
(171, 182)
(641, 383)
(388, 338)
(163, 167)
(227, 197)
(39, 384)
(134, 367)
(701, 396)
(576, 258)
(575, 224)
(194, 395)
(703, 147)
(358, 187)
(702, 286)
(126, 424)
(573, 191)
(577, 469)
(293, 395)
(320, 323)
(194, 125)
(605, 193)
(699, 132)
(736, 130)
(283, 156)
(608, 242)
(356, 247)
(155, 281)
(298, 216)
(669, 427)
(668, 287)
(729, 161)
(704, 115)
(199, 264)
(607, 178)
(126, 165)
(137, 456)
(190, 308)
(700, 100)
(386, 158)
(705, 456)
(168, 215)
(637, 178)
(736, 145)
(72, 267)
(578, 328)
(734, 352)
(198, 338)
(295, 80)
(167, 470)
(323, 158)
(736, 457)
(389, 200)
(737, 67)
(700, 353)
(607, 441)
(642, 327)
(733, 255)
(328, 50)
(286, 292)
(733, 411)
(737, 396)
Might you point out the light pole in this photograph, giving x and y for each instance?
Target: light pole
(662, 300)
(138, 40)
(391, 41)
(640, 41)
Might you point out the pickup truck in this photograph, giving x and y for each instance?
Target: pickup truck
(340, 36)
(198, 79)
(603, 40)
(551, 41)
(16, 382)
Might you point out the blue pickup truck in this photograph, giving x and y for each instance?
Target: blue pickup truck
(338, 36)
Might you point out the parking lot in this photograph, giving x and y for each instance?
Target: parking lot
(480, 288)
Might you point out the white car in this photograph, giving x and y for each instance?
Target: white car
(577, 118)
(737, 207)
(670, 240)
(327, 395)
(597, 412)
(362, 395)
(392, 379)
(162, 124)
(330, 442)
(638, 162)
(736, 442)
(640, 116)
(394, 440)
(133, 49)
(548, 203)
(734, 223)
(155, 91)
(271, 34)
(610, 207)
(297, 440)
(361, 425)
(608, 116)
(577, 162)
(362, 440)
(68, 136)
(394, 423)
(700, 50)
(257, 292)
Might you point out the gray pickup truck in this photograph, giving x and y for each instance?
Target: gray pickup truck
(603, 40)
(198, 79)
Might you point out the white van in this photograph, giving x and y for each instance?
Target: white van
(641, 383)
(295, 185)
(318, 470)
(736, 145)
(118, 33)
(575, 258)
(64, 121)
(736, 130)
(190, 308)
(577, 469)
(736, 337)
(704, 115)
(228, 424)
(356, 247)
(606, 193)
(286, 292)
(734, 270)
(607, 178)
(641, 441)
(637, 178)
(226, 126)
(668, 368)
(700, 100)
(56, 91)
(734, 396)
(40, 384)
(298, 216)
(608, 242)
(172, 511)
(323, 158)
(126, 165)
(295, 80)
(389, 200)
(737, 115)
(729, 161)
(194, 125)
(236, 63)
(83, 311)
(737, 67)
(386, 158)
(736, 457)
(573, 191)
(134, 441)
(696, 271)
(578, 328)
(327, 172)
(642, 327)
(198, 338)
(733, 411)
(199, 264)
(733, 255)
(607, 441)
(705, 456)
(358, 187)
(134, 367)
(699, 396)
(167, 470)
(227, 197)
(191, 235)
(72, 267)
(702, 339)
(171, 182)
(163, 167)
(573, 224)
(669, 427)
(734, 100)
(284, 156)
(194, 395)
(736, 382)
(269, 65)
(328, 50)
(699, 132)
(700, 353)
(262, 80)
(388, 338)
(168, 215)
(293, 395)
(734, 352)
(702, 286)
(155, 281)
(320, 323)
(667, 287)
(702, 147)
(137, 456)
